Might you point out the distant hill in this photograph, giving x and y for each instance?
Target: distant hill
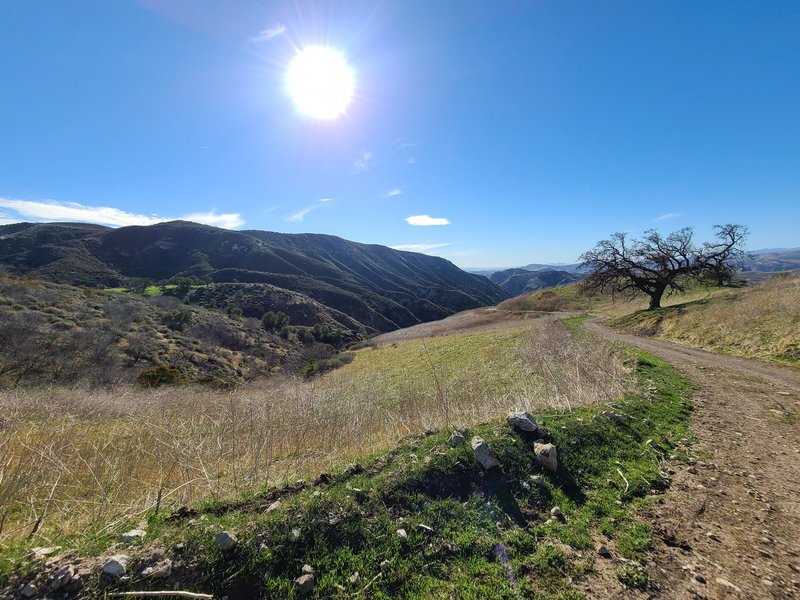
(379, 288)
(772, 259)
(568, 267)
(520, 281)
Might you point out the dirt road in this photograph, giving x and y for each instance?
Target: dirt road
(729, 527)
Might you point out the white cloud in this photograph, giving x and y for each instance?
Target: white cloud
(362, 162)
(393, 192)
(106, 215)
(225, 220)
(269, 33)
(412, 161)
(301, 214)
(402, 143)
(426, 221)
(668, 216)
(418, 247)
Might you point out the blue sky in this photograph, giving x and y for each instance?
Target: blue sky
(525, 131)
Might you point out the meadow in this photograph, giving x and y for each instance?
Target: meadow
(82, 464)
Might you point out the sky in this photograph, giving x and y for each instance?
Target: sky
(494, 134)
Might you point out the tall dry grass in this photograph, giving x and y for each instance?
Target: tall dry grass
(94, 461)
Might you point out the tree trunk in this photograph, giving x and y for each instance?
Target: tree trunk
(655, 297)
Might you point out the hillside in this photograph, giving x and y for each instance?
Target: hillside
(381, 288)
(772, 260)
(521, 281)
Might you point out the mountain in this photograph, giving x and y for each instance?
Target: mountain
(379, 288)
(520, 281)
(771, 260)
(568, 267)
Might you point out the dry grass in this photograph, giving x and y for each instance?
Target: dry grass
(760, 321)
(96, 461)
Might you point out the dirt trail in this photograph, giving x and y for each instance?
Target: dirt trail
(729, 527)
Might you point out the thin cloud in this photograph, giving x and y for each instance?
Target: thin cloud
(426, 220)
(225, 220)
(106, 215)
(412, 161)
(402, 143)
(668, 216)
(419, 247)
(269, 33)
(362, 163)
(393, 192)
(301, 214)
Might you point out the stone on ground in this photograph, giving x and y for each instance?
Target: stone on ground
(116, 565)
(546, 455)
(483, 453)
(225, 541)
(522, 420)
(305, 583)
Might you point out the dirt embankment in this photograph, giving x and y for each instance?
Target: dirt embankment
(730, 525)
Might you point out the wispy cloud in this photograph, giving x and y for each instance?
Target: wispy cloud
(426, 220)
(412, 161)
(668, 216)
(362, 163)
(419, 247)
(403, 143)
(106, 215)
(269, 33)
(301, 214)
(393, 192)
(224, 220)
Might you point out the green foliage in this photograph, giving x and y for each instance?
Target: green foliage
(273, 321)
(633, 576)
(159, 376)
(178, 320)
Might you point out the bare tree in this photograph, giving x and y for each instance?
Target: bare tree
(656, 264)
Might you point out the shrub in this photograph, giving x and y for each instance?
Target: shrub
(272, 321)
(159, 376)
(177, 320)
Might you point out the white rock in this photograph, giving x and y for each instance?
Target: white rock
(304, 583)
(402, 534)
(483, 454)
(161, 570)
(133, 535)
(307, 570)
(296, 533)
(546, 455)
(274, 506)
(116, 565)
(225, 541)
(355, 578)
(522, 420)
(41, 551)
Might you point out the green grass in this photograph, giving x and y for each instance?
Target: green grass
(490, 535)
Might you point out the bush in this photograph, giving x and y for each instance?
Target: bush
(159, 376)
(177, 320)
(272, 321)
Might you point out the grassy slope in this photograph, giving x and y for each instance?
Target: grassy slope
(490, 537)
(762, 321)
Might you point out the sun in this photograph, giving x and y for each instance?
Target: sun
(320, 82)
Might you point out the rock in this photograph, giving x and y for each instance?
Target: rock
(307, 570)
(616, 417)
(116, 565)
(546, 455)
(523, 421)
(713, 536)
(43, 551)
(402, 534)
(274, 506)
(604, 552)
(225, 541)
(526, 486)
(385, 564)
(305, 583)
(556, 513)
(456, 439)
(62, 578)
(161, 570)
(355, 578)
(28, 590)
(425, 529)
(296, 533)
(537, 480)
(483, 454)
(725, 583)
(133, 535)
(699, 578)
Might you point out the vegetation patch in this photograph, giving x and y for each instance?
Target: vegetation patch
(425, 520)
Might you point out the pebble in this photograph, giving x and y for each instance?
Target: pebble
(225, 541)
(116, 565)
(355, 578)
(604, 552)
(304, 583)
(402, 534)
(28, 590)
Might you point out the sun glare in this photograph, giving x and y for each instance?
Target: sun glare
(320, 82)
